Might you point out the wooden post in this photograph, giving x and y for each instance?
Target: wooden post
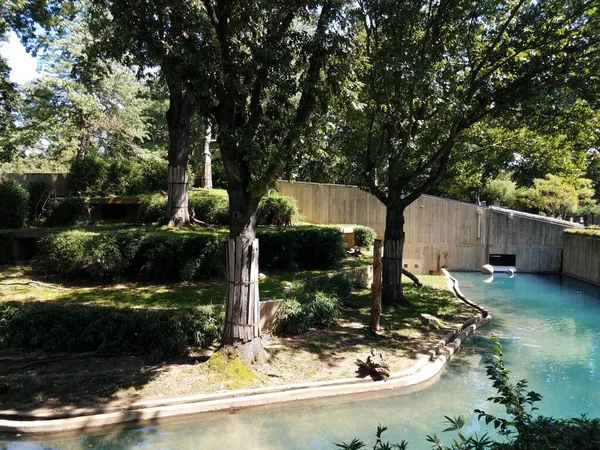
(376, 287)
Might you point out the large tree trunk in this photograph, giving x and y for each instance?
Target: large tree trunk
(178, 119)
(393, 247)
(206, 171)
(242, 308)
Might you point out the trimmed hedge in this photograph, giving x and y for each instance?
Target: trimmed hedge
(212, 206)
(96, 177)
(156, 255)
(364, 236)
(302, 247)
(171, 255)
(156, 333)
(14, 205)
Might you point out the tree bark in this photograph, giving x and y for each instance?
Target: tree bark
(206, 171)
(179, 117)
(242, 314)
(376, 287)
(84, 140)
(392, 294)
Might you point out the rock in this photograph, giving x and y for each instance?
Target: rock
(488, 268)
(431, 321)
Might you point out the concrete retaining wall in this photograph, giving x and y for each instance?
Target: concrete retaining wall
(440, 232)
(581, 257)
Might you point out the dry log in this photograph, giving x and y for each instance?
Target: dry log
(378, 369)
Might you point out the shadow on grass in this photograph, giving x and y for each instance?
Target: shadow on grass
(58, 354)
(404, 333)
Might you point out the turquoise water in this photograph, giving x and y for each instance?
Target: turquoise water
(550, 330)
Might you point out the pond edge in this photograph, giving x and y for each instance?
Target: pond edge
(426, 370)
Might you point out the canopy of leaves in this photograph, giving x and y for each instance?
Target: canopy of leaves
(429, 71)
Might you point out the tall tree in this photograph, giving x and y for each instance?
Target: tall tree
(257, 70)
(276, 63)
(168, 40)
(434, 69)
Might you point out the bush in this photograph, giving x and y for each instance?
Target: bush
(36, 190)
(314, 309)
(171, 255)
(5, 247)
(339, 285)
(364, 236)
(87, 177)
(160, 255)
(212, 206)
(14, 205)
(56, 327)
(66, 211)
(304, 247)
(95, 177)
(276, 210)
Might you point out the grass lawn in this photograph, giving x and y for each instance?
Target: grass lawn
(32, 380)
(20, 283)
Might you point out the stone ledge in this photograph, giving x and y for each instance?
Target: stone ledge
(426, 370)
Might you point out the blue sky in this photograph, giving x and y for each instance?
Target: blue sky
(23, 65)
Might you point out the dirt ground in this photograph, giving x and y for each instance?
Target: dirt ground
(59, 382)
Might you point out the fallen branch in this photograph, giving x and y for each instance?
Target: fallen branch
(412, 277)
(37, 283)
(379, 370)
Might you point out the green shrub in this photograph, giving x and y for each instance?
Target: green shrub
(314, 309)
(339, 285)
(159, 255)
(96, 177)
(66, 211)
(153, 209)
(5, 247)
(292, 318)
(63, 253)
(56, 327)
(364, 236)
(153, 178)
(14, 205)
(88, 176)
(303, 247)
(37, 189)
(276, 210)
(212, 206)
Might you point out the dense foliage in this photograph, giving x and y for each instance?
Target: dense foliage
(316, 303)
(99, 177)
(14, 205)
(172, 255)
(364, 236)
(158, 334)
(212, 207)
(66, 211)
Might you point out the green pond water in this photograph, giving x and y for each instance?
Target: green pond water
(550, 330)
